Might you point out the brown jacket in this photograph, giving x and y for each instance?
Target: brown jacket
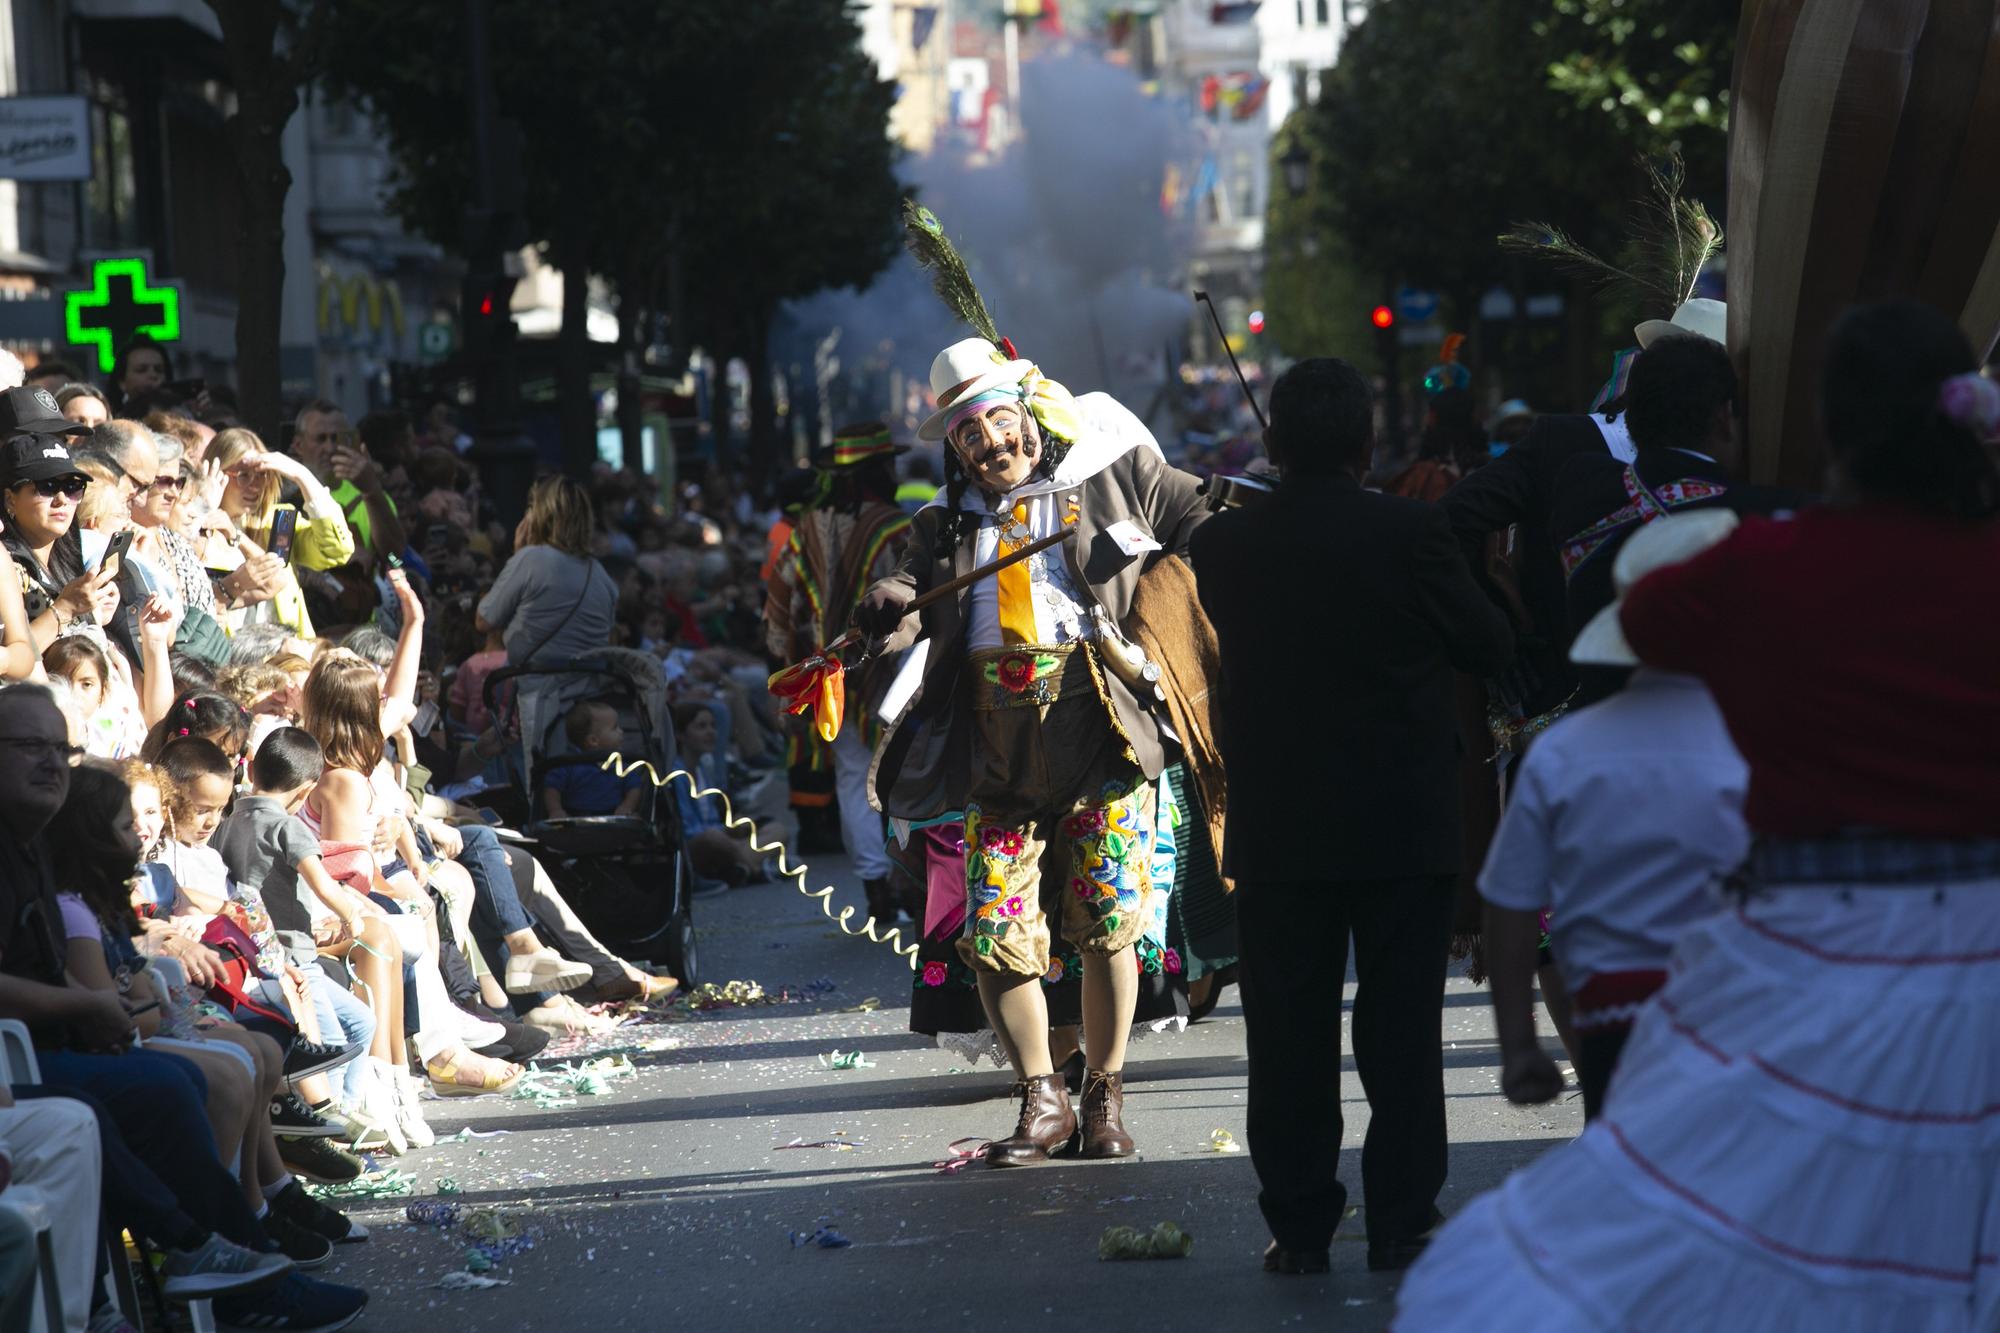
(923, 766)
(1168, 622)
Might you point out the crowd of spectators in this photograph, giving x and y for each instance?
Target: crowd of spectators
(263, 667)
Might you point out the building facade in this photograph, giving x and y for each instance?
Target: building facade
(113, 147)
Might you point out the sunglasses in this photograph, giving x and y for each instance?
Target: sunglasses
(50, 487)
(160, 485)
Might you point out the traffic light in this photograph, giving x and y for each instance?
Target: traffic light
(482, 310)
(1382, 317)
(1256, 321)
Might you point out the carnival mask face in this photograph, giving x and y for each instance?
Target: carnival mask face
(999, 447)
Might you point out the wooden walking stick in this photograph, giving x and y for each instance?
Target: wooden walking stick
(817, 683)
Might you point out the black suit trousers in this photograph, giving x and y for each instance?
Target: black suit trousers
(1294, 964)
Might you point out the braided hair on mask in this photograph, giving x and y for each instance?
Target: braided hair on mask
(960, 522)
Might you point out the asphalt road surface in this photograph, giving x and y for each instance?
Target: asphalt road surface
(669, 1200)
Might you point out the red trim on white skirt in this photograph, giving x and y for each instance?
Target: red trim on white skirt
(1867, 959)
(1776, 1246)
(1827, 1095)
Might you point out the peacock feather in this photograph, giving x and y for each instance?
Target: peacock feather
(1672, 237)
(924, 234)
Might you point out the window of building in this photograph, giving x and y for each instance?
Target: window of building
(1302, 13)
(1320, 8)
(112, 195)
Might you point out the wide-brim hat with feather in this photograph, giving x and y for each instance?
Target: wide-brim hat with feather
(854, 445)
(964, 371)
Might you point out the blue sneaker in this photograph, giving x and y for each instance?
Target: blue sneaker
(298, 1303)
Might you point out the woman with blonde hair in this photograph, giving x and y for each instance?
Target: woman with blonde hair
(253, 478)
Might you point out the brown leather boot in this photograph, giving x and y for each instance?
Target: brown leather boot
(1047, 1123)
(1103, 1108)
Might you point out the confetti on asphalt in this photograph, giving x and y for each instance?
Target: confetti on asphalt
(448, 1185)
(1223, 1141)
(432, 1212)
(554, 1088)
(826, 1238)
(839, 1141)
(392, 1183)
(959, 1155)
(845, 1060)
(470, 1282)
(1165, 1241)
(867, 1006)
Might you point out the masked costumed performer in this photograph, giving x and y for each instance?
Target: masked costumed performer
(848, 538)
(1033, 713)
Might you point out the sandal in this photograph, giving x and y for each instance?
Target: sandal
(449, 1077)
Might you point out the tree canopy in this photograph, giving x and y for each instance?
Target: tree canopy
(1442, 125)
(750, 140)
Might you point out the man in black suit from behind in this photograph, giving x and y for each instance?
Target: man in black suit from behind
(1341, 616)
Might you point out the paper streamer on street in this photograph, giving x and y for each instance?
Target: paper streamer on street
(618, 764)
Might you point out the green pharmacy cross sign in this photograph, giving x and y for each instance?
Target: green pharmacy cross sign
(119, 306)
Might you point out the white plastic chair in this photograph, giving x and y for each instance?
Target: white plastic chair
(18, 1065)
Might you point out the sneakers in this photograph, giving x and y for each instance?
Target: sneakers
(319, 1160)
(307, 1249)
(292, 1118)
(361, 1131)
(306, 1058)
(217, 1268)
(299, 1303)
(410, 1111)
(543, 970)
(380, 1105)
(301, 1209)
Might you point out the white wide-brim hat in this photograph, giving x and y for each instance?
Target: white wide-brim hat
(1700, 317)
(1671, 540)
(965, 370)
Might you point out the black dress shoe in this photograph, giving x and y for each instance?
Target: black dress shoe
(1294, 1263)
(1393, 1256)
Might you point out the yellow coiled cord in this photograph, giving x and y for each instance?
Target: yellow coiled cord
(616, 763)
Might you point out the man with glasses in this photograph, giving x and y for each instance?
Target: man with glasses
(324, 441)
(162, 1177)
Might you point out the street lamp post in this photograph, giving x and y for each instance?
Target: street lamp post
(1297, 166)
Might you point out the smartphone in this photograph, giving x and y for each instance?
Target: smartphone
(439, 535)
(284, 522)
(120, 544)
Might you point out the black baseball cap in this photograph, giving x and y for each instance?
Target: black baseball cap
(36, 458)
(26, 411)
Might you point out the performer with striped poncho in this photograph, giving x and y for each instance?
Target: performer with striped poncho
(848, 537)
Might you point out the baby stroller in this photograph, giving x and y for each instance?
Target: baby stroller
(627, 876)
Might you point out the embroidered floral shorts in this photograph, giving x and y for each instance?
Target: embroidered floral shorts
(1060, 819)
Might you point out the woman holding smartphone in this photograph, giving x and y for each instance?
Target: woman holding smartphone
(312, 535)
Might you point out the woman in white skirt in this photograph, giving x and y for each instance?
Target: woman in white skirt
(1804, 1130)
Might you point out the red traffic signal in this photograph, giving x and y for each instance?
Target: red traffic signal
(1382, 317)
(486, 304)
(1256, 321)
